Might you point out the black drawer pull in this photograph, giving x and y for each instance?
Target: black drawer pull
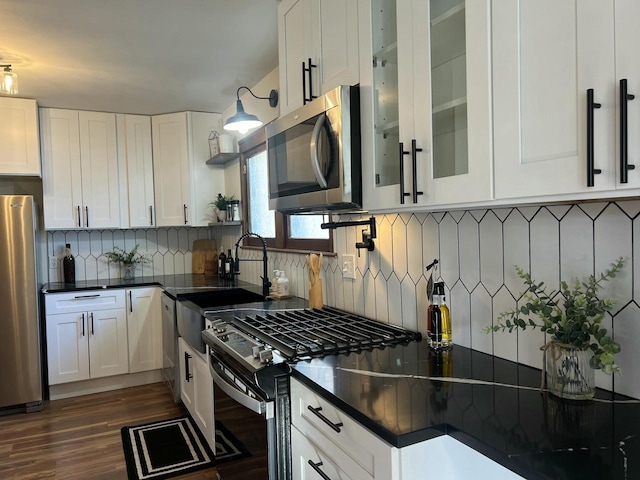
(316, 467)
(187, 375)
(316, 412)
(77, 297)
(591, 170)
(625, 166)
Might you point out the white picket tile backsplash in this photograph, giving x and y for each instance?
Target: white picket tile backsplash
(477, 250)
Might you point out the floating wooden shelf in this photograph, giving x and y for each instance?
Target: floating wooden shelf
(225, 224)
(222, 158)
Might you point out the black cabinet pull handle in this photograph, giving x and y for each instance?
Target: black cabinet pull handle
(307, 70)
(311, 95)
(414, 165)
(79, 220)
(304, 83)
(77, 297)
(591, 170)
(151, 215)
(86, 216)
(625, 96)
(403, 152)
(316, 467)
(187, 375)
(316, 411)
(83, 324)
(130, 303)
(92, 330)
(184, 210)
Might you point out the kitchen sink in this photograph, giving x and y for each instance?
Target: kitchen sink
(191, 307)
(221, 297)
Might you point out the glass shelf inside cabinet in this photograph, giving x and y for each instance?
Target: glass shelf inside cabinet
(449, 88)
(385, 83)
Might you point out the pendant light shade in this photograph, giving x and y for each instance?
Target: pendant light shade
(8, 81)
(242, 122)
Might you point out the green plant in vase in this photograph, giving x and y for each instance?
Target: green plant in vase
(572, 317)
(219, 206)
(127, 260)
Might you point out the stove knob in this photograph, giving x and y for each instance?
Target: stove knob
(220, 328)
(256, 350)
(266, 356)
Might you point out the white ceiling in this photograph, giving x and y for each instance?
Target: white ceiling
(138, 56)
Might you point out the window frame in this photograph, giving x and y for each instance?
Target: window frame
(249, 146)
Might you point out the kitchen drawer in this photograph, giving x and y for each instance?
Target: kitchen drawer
(371, 453)
(84, 300)
(305, 450)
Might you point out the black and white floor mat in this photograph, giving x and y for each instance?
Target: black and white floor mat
(172, 447)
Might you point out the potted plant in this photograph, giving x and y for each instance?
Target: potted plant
(127, 260)
(572, 317)
(220, 207)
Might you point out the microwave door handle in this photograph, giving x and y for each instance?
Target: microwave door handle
(315, 146)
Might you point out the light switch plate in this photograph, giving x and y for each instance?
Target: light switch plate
(348, 266)
(53, 262)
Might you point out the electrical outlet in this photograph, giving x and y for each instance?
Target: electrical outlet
(53, 262)
(348, 266)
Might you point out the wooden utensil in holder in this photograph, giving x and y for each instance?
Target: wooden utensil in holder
(314, 263)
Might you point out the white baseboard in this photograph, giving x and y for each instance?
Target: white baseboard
(105, 384)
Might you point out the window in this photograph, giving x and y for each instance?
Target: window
(293, 232)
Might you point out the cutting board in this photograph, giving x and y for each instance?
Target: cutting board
(204, 257)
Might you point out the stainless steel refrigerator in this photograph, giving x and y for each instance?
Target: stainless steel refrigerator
(20, 351)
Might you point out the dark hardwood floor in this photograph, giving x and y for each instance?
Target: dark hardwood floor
(79, 438)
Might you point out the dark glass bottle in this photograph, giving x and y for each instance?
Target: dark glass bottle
(222, 261)
(69, 266)
(228, 266)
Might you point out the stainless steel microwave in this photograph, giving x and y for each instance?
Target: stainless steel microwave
(314, 155)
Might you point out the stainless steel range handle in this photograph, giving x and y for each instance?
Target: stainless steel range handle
(255, 405)
(315, 158)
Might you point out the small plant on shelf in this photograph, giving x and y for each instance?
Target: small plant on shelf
(219, 206)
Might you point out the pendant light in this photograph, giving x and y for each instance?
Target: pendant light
(242, 122)
(9, 81)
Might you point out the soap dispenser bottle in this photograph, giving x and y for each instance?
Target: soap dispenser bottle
(283, 284)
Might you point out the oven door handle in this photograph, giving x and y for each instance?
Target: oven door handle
(252, 404)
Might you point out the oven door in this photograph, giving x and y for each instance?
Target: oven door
(250, 421)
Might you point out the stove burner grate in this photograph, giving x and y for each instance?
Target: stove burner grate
(305, 333)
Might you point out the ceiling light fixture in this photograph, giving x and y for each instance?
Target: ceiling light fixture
(242, 122)
(9, 81)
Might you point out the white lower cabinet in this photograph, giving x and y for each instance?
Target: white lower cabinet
(196, 389)
(327, 443)
(349, 449)
(144, 326)
(86, 336)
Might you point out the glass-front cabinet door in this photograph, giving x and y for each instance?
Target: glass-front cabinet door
(430, 96)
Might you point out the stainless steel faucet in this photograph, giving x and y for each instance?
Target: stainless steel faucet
(266, 284)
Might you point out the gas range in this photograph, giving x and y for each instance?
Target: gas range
(270, 337)
(251, 352)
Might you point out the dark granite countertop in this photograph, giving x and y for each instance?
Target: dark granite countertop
(492, 405)
(174, 285)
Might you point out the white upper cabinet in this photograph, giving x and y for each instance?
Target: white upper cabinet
(137, 208)
(560, 119)
(19, 147)
(426, 110)
(80, 169)
(318, 49)
(184, 184)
